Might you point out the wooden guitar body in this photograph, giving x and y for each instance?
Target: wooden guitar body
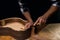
(14, 28)
(9, 30)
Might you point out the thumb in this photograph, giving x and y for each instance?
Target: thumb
(36, 22)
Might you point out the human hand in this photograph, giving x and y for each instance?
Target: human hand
(40, 20)
(28, 25)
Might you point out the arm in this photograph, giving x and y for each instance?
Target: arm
(52, 9)
(25, 11)
(27, 16)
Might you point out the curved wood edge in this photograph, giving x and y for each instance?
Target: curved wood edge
(12, 19)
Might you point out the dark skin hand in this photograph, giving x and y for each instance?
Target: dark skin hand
(42, 19)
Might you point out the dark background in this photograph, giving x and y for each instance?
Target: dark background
(10, 8)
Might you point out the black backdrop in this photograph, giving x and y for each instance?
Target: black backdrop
(10, 8)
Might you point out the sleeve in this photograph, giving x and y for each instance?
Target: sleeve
(23, 6)
(55, 3)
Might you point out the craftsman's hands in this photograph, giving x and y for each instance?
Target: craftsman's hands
(28, 25)
(40, 20)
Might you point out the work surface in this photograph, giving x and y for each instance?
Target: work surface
(50, 32)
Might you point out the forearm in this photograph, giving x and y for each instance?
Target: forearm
(24, 9)
(27, 16)
(50, 11)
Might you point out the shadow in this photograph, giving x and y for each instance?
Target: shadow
(19, 35)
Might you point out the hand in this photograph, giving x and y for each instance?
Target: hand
(40, 20)
(28, 25)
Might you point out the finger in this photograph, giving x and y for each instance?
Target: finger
(43, 21)
(36, 22)
(39, 23)
(27, 26)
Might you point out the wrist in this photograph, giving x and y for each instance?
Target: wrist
(44, 17)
